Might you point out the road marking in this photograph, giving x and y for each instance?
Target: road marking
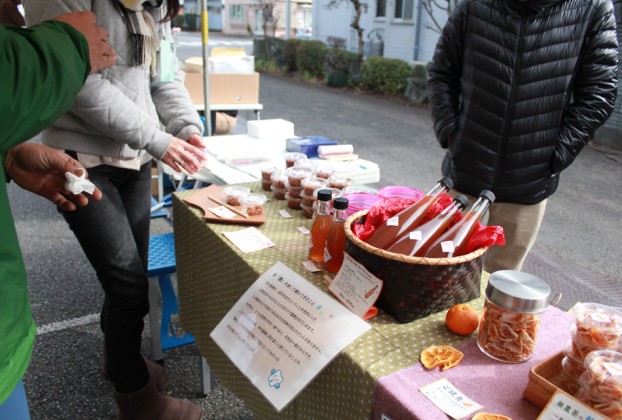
(70, 323)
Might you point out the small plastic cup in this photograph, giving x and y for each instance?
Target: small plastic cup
(598, 324)
(267, 171)
(312, 184)
(293, 202)
(325, 173)
(253, 203)
(295, 192)
(234, 194)
(339, 182)
(295, 175)
(279, 180)
(307, 211)
(291, 158)
(603, 373)
(306, 163)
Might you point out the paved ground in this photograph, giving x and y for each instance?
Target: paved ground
(577, 252)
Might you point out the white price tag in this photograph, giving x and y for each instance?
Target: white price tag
(393, 221)
(285, 214)
(304, 230)
(415, 235)
(449, 399)
(310, 265)
(447, 246)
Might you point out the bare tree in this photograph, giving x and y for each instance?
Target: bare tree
(269, 21)
(443, 5)
(359, 8)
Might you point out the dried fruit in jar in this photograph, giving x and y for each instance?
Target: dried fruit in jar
(508, 335)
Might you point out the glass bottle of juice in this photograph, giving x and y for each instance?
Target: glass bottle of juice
(420, 238)
(320, 226)
(453, 242)
(336, 240)
(402, 223)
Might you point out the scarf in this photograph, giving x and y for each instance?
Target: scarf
(142, 29)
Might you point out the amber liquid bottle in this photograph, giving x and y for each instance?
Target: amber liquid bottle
(336, 240)
(453, 242)
(402, 223)
(419, 239)
(320, 226)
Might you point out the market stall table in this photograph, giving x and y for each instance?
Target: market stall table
(213, 274)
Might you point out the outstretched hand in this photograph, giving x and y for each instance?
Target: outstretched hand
(101, 54)
(41, 169)
(187, 155)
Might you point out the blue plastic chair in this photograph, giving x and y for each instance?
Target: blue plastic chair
(162, 263)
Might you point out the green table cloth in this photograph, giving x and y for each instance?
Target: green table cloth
(213, 274)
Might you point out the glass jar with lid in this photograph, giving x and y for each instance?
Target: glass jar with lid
(511, 318)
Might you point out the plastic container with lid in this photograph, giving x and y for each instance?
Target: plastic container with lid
(313, 183)
(306, 163)
(339, 182)
(279, 180)
(606, 406)
(234, 194)
(295, 175)
(598, 325)
(603, 374)
(253, 203)
(325, 172)
(293, 202)
(511, 318)
(291, 158)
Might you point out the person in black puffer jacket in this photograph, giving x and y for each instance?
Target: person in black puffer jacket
(516, 89)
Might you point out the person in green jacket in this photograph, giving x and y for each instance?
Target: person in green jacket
(43, 68)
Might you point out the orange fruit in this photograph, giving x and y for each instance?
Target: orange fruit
(462, 319)
(489, 416)
(444, 356)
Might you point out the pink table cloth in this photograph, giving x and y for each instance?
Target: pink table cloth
(495, 385)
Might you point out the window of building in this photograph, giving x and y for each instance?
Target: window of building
(381, 8)
(404, 9)
(236, 13)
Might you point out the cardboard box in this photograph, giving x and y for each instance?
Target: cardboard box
(276, 128)
(224, 88)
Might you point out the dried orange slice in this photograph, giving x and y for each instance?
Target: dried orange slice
(489, 416)
(444, 356)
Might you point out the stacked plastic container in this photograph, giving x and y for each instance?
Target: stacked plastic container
(592, 360)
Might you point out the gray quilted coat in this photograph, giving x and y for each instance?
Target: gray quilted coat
(121, 111)
(521, 87)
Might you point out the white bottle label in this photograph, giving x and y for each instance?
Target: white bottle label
(394, 221)
(447, 246)
(326, 255)
(415, 235)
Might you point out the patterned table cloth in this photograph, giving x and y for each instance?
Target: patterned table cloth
(213, 274)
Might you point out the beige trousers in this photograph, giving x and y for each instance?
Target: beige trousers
(521, 223)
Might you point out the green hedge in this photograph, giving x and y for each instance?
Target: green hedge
(289, 54)
(385, 75)
(310, 56)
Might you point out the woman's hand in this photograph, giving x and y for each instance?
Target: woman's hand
(181, 154)
(41, 169)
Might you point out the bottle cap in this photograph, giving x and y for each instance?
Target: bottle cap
(461, 201)
(518, 291)
(324, 195)
(447, 181)
(488, 194)
(340, 203)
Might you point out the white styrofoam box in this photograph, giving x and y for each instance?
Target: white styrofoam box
(276, 128)
(232, 64)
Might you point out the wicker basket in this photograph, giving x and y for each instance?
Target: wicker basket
(416, 287)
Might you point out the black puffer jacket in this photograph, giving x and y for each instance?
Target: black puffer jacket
(521, 87)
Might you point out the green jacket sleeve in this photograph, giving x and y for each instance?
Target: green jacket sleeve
(43, 68)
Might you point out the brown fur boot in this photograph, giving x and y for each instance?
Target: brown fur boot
(148, 404)
(156, 371)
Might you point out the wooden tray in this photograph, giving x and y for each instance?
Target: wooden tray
(200, 199)
(545, 379)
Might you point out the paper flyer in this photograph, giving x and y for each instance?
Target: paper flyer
(283, 331)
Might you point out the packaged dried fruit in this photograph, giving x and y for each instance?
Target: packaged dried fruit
(295, 175)
(311, 184)
(606, 406)
(253, 203)
(598, 324)
(572, 368)
(291, 158)
(603, 374)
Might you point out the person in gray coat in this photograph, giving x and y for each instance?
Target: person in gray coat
(516, 89)
(123, 117)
